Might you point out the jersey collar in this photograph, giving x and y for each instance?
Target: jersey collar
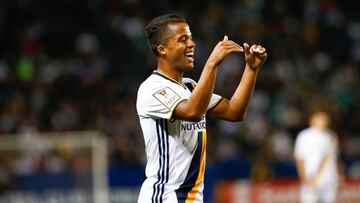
(156, 72)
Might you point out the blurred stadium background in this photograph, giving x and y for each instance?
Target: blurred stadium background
(69, 73)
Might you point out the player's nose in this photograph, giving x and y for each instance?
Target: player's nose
(191, 43)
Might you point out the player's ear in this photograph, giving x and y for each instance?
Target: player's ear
(161, 49)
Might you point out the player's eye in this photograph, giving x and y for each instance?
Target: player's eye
(183, 39)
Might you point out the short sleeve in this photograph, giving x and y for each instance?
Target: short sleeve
(214, 100)
(158, 102)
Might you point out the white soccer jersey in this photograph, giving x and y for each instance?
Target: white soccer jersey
(313, 145)
(175, 149)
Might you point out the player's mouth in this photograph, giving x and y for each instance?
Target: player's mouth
(190, 56)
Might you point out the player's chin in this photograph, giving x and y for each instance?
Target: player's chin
(188, 66)
(185, 64)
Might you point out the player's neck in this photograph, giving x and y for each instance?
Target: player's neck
(170, 72)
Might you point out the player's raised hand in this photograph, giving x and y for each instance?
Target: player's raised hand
(223, 49)
(255, 55)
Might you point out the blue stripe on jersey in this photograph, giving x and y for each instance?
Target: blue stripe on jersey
(192, 174)
(161, 185)
(167, 147)
(165, 138)
(163, 172)
(155, 186)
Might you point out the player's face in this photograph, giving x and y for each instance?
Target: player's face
(180, 47)
(320, 120)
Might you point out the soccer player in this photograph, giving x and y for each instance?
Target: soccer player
(172, 109)
(316, 160)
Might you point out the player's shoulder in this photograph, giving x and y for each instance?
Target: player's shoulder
(146, 91)
(155, 85)
(304, 134)
(331, 135)
(152, 82)
(305, 131)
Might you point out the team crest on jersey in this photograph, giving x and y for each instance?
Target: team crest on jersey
(163, 93)
(167, 97)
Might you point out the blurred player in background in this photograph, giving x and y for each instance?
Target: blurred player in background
(316, 155)
(172, 109)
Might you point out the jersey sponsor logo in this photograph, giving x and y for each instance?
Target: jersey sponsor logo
(190, 126)
(167, 97)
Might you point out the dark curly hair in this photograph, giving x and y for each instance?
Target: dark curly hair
(157, 29)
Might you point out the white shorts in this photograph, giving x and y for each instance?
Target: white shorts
(325, 194)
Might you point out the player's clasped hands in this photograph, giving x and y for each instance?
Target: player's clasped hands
(255, 55)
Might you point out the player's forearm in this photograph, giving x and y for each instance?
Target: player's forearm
(200, 98)
(239, 102)
(301, 171)
(323, 165)
(195, 107)
(201, 95)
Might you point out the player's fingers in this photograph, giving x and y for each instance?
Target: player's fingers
(225, 38)
(252, 48)
(233, 44)
(264, 56)
(246, 48)
(219, 45)
(229, 43)
(234, 50)
(262, 50)
(258, 48)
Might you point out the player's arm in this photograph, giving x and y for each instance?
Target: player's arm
(300, 170)
(326, 159)
(299, 153)
(323, 165)
(195, 107)
(235, 108)
(332, 151)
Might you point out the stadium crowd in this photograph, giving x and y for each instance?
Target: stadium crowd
(76, 65)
